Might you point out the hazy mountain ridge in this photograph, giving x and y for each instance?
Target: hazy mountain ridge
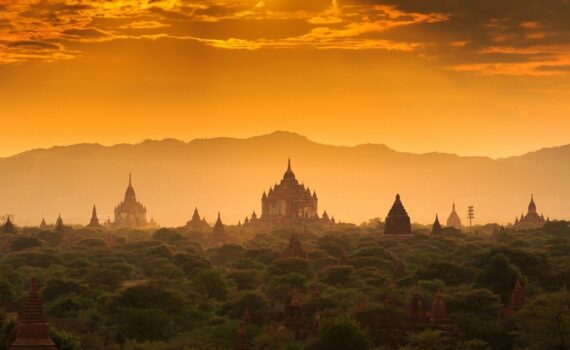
(356, 183)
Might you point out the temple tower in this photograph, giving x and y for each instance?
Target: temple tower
(32, 331)
(439, 318)
(436, 228)
(453, 220)
(397, 221)
(295, 248)
(196, 223)
(8, 227)
(417, 312)
(94, 222)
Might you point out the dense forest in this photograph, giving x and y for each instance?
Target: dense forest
(171, 289)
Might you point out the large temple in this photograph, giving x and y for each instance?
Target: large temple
(531, 219)
(453, 220)
(289, 202)
(398, 222)
(130, 213)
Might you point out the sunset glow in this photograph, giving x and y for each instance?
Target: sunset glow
(419, 76)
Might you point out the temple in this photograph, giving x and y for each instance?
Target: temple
(518, 302)
(197, 223)
(293, 315)
(295, 249)
(32, 330)
(218, 233)
(453, 220)
(436, 228)
(531, 219)
(8, 227)
(439, 318)
(130, 213)
(417, 313)
(289, 202)
(43, 224)
(398, 222)
(59, 225)
(94, 222)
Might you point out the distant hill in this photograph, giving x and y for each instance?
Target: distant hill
(353, 183)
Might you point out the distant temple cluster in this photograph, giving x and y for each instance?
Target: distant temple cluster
(287, 203)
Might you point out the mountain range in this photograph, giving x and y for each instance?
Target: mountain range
(229, 175)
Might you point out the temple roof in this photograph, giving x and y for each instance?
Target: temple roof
(397, 208)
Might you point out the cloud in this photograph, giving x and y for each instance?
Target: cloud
(471, 36)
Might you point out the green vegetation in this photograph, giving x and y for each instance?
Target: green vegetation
(164, 290)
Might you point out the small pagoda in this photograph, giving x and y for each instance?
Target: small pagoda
(94, 222)
(32, 330)
(295, 248)
(293, 315)
(417, 313)
(9, 227)
(436, 228)
(398, 223)
(518, 302)
(197, 223)
(439, 318)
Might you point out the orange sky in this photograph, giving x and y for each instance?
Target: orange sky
(482, 77)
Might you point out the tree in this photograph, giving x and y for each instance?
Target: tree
(544, 324)
(498, 275)
(343, 334)
(22, 243)
(211, 284)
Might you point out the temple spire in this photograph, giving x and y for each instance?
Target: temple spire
(32, 330)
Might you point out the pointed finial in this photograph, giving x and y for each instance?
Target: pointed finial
(289, 164)
(398, 196)
(130, 178)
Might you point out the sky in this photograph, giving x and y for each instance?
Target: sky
(473, 77)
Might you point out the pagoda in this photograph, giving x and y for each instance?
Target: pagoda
(531, 219)
(218, 233)
(8, 227)
(293, 315)
(43, 224)
(398, 222)
(196, 223)
(417, 313)
(439, 318)
(94, 222)
(518, 302)
(295, 248)
(453, 220)
(241, 342)
(289, 202)
(130, 213)
(32, 330)
(436, 228)
(59, 225)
